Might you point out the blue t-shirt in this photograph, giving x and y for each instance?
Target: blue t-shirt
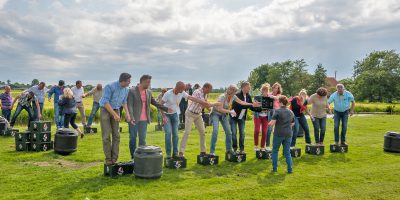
(341, 103)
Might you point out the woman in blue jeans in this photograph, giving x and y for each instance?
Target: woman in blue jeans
(283, 120)
(220, 114)
(298, 105)
(319, 109)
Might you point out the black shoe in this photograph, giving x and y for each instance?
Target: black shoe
(203, 153)
(344, 143)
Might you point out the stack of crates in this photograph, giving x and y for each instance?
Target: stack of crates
(23, 141)
(40, 136)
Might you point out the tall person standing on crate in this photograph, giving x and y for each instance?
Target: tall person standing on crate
(57, 91)
(171, 100)
(6, 102)
(193, 115)
(40, 91)
(115, 95)
(96, 92)
(79, 92)
(319, 109)
(67, 104)
(25, 103)
(277, 90)
(343, 105)
(139, 100)
(298, 105)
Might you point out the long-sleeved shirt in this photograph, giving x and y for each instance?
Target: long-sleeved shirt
(40, 94)
(115, 95)
(96, 94)
(57, 91)
(194, 106)
(68, 106)
(6, 99)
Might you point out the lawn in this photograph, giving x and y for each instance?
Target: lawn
(366, 172)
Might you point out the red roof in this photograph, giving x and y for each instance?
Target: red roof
(332, 82)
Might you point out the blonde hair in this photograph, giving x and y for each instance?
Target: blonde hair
(68, 93)
(232, 89)
(264, 87)
(303, 91)
(280, 90)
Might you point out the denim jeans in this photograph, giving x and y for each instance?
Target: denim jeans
(35, 112)
(224, 119)
(18, 111)
(344, 117)
(141, 128)
(159, 117)
(301, 121)
(6, 114)
(319, 125)
(171, 129)
(59, 118)
(235, 122)
(277, 142)
(95, 108)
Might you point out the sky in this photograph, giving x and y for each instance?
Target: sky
(196, 41)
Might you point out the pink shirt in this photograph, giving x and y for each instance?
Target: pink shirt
(143, 114)
(276, 102)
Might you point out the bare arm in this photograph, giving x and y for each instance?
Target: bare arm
(272, 122)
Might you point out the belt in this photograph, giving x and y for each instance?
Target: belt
(194, 112)
(79, 102)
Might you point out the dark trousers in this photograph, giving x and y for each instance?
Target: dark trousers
(18, 111)
(70, 119)
(235, 122)
(6, 114)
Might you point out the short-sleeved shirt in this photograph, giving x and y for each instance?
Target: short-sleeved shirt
(172, 100)
(143, 114)
(96, 94)
(6, 99)
(195, 107)
(78, 93)
(318, 108)
(115, 95)
(40, 94)
(226, 104)
(296, 108)
(284, 118)
(341, 103)
(25, 100)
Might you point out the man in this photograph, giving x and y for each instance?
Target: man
(184, 103)
(240, 119)
(40, 93)
(193, 115)
(171, 100)
(139, 100)
(25, 103)
(57, 91)
(97, 92)
(114, 96)
(78, 92)
(344, 104)
(6, 102)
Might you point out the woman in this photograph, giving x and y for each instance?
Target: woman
(68, 105)
(298, 105)
(261, 120)
(276, 92)
(319, 108)
(220, 114)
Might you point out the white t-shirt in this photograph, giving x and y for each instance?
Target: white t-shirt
(77, 93)
(172, 100)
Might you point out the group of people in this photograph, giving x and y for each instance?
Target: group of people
(184, 104)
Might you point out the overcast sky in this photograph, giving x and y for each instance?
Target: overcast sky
(190, 40)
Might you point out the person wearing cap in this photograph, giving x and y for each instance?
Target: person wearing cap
(40, 93)
(57, 91)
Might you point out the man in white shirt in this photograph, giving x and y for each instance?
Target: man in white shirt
(79, 93)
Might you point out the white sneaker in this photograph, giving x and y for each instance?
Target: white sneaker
(268, 148)
(255, 148)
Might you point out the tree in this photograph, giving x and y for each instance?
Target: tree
(8, 82)
(319, 78)
(35, 82)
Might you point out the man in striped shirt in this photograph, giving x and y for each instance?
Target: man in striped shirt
(193, 115)
(6, 101)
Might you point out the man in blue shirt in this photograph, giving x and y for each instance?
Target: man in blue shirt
(114, 96)
(343, 103)
(57, 91)
(40, 93)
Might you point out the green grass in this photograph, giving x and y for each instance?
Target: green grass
(366, 172)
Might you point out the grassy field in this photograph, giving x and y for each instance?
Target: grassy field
(366, 172)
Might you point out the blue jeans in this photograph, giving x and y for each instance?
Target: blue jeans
(300, 121)
(277, 142)
(35, 111)
(319, 125)
(18, 111)
(171, 128)
(224, 119)
(269, 130)
(95, 108)
(344, 117)
(59, 118)
(234, 122)
(159, 117)
(6, 114)
(141, 128)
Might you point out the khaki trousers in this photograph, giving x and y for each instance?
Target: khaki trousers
(81, 109)
(109, 127)
(197, 119)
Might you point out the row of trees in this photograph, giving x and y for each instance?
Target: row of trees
(375, 78)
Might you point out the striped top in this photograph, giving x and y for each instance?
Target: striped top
(196, 107)
(6, 99)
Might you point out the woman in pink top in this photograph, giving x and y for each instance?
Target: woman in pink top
(276, 92)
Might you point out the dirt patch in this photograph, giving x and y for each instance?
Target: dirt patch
(64, 164)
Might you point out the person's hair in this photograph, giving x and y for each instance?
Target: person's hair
(207, 85)
(244, 84)
(163, 90)
(31, 94)
(61, 83)
(232, 89)
(196, 86)
(68, 93)
(264, 87)
(322, 91)
(124, 77)
(302, 91)
(78, 82)
(42, 83)
(339, 86)
(283, 99)
(278, 85)
(144, 78)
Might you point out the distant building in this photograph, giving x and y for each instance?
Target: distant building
(331, 81)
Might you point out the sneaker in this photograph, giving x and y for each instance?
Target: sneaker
(344, 143)
(181, 155)
(242, 152)
(290, 172)
(337, 143)
(263, 149)
(268, 148)
(108, 162)
(256, 148)
(212, 154)
(274, 171)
